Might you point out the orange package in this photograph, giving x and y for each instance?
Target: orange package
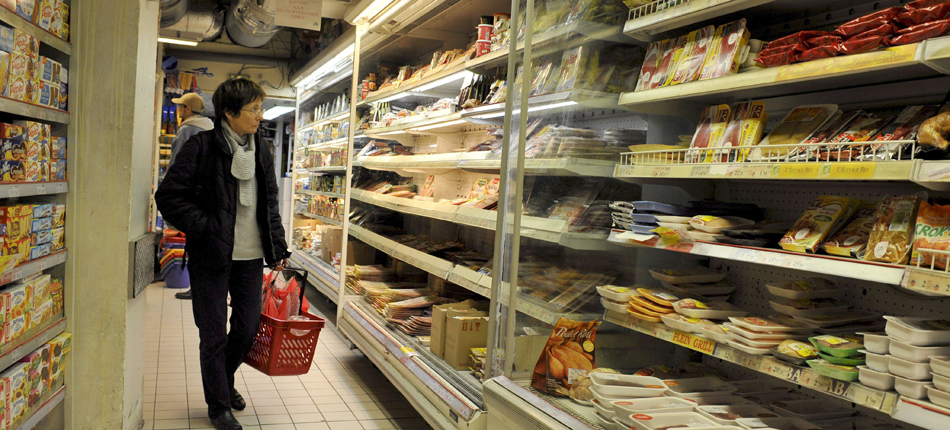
(932, 232)
(568, 355)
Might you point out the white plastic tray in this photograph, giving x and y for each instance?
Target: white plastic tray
(677, 322)
(938, 397)
(909, 330)
(601, 398)
(744, 411)
(908, 369)
(617, 294)
(795, 312)
(760, 335)
(818, 289)
(876, 362)
(607, 414)
(940, 365)
(941, 382)
(916, 354)
(713, 289)
(874, 379)
(662, 420)
(810, 410)
(840, 319)
(746, 348)
(713, 333)
(766, 344)
(878, 343)
(716, 310)
(699, 387)
(627, 386)
(760, 324)
(692, 275)
(614, 306)
(758, 386)
(656, 405)
(781, 423)
(911, 388)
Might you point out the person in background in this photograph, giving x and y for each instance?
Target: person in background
(188, 108)
(222, 193)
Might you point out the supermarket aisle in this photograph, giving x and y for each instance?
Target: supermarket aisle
(343, 391)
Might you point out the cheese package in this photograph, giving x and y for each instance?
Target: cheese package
(25, 43)
(752, 128)
(35, 131)
(890, 238)
(57, 239)
(57, 148)
(800, 123)
(852, 240)
(694, 57)
(680, 58)
(932, 233)
(728, 44)
(823, 218)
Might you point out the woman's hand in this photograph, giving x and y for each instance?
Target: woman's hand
(280, 265)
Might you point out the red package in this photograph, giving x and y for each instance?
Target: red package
(782, 49)
(823, 41)
(912, 17)
(920, 4)
(868, 22)
(884, 30)
(794, 39)
(919, 33)
(857, 46)
(819, 53)
(781, 59)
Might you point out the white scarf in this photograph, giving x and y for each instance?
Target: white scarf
(242, 164)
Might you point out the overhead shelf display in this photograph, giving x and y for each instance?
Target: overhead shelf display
(660, 16)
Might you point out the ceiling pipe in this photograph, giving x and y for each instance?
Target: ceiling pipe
(250, 23)
(203, 21)
(173, 11)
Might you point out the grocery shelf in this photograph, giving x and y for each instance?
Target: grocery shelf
(854, 392)
(336, 117)
(821, 264)
(16, 21)
(318, 217)
(33, 267)
(899, 63)
(324, 277)
(26, 189)
(479, 162)
(437, 81)
(330, 144)
(47, 403)
(451, 123)
(811, 171)
(517, 402)
(19, 347)
(328, 169)
(319, 193)
(426, 384)
(644, 26)
(30, 110)
(921, 413)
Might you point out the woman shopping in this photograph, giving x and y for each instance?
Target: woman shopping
(222, 193)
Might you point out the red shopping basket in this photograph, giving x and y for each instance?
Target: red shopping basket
(277, 350)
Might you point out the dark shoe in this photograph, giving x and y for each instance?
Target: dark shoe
(226, 421)
(184, 295)
(237, 402)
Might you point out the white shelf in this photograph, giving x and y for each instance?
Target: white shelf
(43, 410)
(486, 162)
(27, 189)
(645, 27)
(854, 392)
(318, 217)
(328, 169)
(16, 21)
(323, 276)
(324, 146)
(319, 193)
(336, 117)
(809, 171)
(30, 110)
(451, 123)
(821, 264)
(32, 267)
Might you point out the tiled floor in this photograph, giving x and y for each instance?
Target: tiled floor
(343, 391)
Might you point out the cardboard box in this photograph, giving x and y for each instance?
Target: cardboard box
(42, 210)
(57, 170)
(25, 43)
(12, 150)
(20, 300)
(49, 70)
(437, 336)
(12, 132)
(57, 148)
(12, 171)
(43, 13)
(20, 65)
(56, 25)
(40, 289)
(19, 247)
(9, 4)
(356, 253)
(7, 34)
(17, 225)
(31, 171)
(59, 216)
(40, 224)
(25, 8)
(63, 89)
(41, 314)
(462, 333)
(39, 251)
(16, 87)
(57, 239)
(35, 131)
(41, 95)
(4, 395)
(527, 350)
(30, 91)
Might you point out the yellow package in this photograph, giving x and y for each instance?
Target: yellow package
(718, 131)
(890, 239)
(20, 300)
(852, 240)
(39, 289)
(681, 60)
(824, 217)
(753, 126)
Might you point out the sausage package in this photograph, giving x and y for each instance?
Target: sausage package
(923, 11)
(921, 32)
(890, 239)
(860, 25)
(904, 127)
(823, 218)
(852, 240)
(650, 62)
(932, 232)
(568, 355)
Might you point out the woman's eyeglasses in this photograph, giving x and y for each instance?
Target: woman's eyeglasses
(254, 112)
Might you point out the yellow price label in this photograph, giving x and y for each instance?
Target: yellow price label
(849, 63)
(796, 171)
(408, 351)
(859, 170)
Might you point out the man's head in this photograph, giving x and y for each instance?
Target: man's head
(189, 105)
(239, 101)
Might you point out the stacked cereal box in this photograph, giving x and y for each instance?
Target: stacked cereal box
(28, 153)
(32, 231)
(25, 384)
(28, 304)
(50, 15)
(27, 76)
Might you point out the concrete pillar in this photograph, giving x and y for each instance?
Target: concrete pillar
(112, 100)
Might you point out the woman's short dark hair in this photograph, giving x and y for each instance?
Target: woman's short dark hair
(232, 95)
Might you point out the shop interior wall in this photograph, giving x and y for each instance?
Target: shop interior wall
(274, 75)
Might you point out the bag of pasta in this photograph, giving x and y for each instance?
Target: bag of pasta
(890, 239)
(932, 233)
(568, 355)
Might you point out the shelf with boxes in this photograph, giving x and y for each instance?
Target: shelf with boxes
(30, 154)
(35, 86)
(46, 405)
(51, 29)
(36, 383)
(321, 218)
(322, 275)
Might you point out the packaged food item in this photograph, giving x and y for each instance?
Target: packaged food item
(797, 38)
(580, 391)
(921, 32)
(715, 224)
(834, 371)
(861, 45)
(665, 64)
(777, 59)
(795, 351)
(800, 123)
(824, 40)
(931, 233)
(867, 22)
(852, 240)
(752, 125)
(932, 136)
(886, 29)
(650, 63)
(691, 67)
(696, 274)
(837, 346)
(568, 355)
(728, 44)
(890, 238)
(819, 52)
(771, 324)
(923, 11)
(12, 132)
(823, 218)
(811, 288)
(711, 126)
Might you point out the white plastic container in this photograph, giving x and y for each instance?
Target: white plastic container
(755, 343)
(814, 288)
(656, 405)
(910, 388)
(783, 307)
(908, 369)
(675, 226)
(875, 379)
(663, 420)
(876, 362)
(715, 333)
(940, 365)
(605, 422)
(767, 399)
(839, 319)
(673, 219)
(699, 387)
(600, 398)
(617, 294)
(810, 410)
(941, 382)
(714, 310)
(748, 349)
(691, 275)
(720, 414)
(878, 343)
(916, 331)
(627, 386)
(679, 322)
(938, 397)
(608, 414)
(706, 290)
(782, 423)
(723, 400)
(916, 354)
(614, 306)
(760, 324)
(760, 335)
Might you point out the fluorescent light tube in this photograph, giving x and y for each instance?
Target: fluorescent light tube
(277, 111)
(177, 41)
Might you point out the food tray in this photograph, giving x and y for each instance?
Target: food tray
(715, 333)
(911, 388)
(693, 388)
(781, 423)
(690, 275)
(644, 305)
(755, 343)
(746, 348)
(625, 408)
(810, 410)
(727, 415)
(812, 288)
(614, 306)
(835, 318)
(793, 359)
(697, 223)
(908, 369)
(642, 316)
(600, 398)
(876, 342)
(766, 399)
(941, 382)
(874, 379)
(617, 294)
(723, 400)
(770, 325)
(675, 226)
(673, 219)
(938, 397)
(657, 296)
(715, 310)
(913, 331)
(755, 335)
(916, 354)
(847, 348)
(667, 419)
(678, 322)
(643, 218)
(850, 329)
(627, 386)
(843, 361)
(705, 237)
(876, 362)
(713, 289)
(787, 309)
(834, 371)
(641, 228)
(940, 365)
(606, 414)
(769, 231)
(661, 208)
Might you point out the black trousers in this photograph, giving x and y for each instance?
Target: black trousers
(223, 351)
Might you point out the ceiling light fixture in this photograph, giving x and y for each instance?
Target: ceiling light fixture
(277, 111)
(177, 41)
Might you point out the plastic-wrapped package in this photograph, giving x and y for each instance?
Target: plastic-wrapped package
(818, 53)
(923, 11)
(890, 239)
(651, 61)
(777, 60)
(827, 40)
(724, 57)
(904, 127)
(932, 232)
(858, 46)
(691, 67)
(796, 38)
(921, 32)
(867, 22)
